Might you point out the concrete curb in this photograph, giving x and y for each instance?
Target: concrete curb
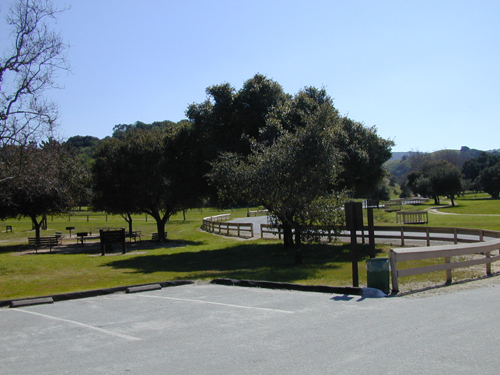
(90, 293)
(32, 302)
(143, 288)
(22, 302)
(289, 286)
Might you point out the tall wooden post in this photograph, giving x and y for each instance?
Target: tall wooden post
(354, 221)
(371, 232)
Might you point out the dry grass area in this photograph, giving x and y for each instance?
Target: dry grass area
(468, 278)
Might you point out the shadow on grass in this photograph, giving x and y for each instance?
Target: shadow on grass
(15, 248)
(91, 248)
(246, 261)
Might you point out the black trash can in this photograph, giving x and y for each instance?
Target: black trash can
(378, 275)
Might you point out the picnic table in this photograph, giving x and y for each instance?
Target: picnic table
(134, 235)
(48, 241)
(81, 236)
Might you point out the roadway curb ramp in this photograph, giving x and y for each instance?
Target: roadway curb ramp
(289, 286)
(31, 302)
(143, 288)
(91, 293)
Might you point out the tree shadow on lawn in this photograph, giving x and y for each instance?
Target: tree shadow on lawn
(246, 261)
(15, 249)
(94, 248)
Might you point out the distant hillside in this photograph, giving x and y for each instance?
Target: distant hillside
(398, 155)
(399, 165)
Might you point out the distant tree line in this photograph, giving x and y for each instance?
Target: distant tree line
(435, 175)
(483, 173)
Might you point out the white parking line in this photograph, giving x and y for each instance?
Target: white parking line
(127, 337)
(217, 303)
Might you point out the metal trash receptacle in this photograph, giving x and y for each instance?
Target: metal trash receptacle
(378, 274)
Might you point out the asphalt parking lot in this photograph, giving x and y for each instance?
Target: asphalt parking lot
(215, 329)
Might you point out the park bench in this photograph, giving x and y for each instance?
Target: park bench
(49, 242)
(134, 235)
(154, 236)
(392, 206)
(59, 237)
(412, 217)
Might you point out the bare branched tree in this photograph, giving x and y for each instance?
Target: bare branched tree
(28, 67)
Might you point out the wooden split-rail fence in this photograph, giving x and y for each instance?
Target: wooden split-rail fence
(218, 224)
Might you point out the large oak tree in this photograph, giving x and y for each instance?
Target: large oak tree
(295, 168)
(435, 179)
(50, 182)
(139, 173)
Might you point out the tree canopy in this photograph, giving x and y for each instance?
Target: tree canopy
(51, 181)
(28, 68)
(260, 112)
(435, 179)
(489, 179)
(136, 174)
(296, 165)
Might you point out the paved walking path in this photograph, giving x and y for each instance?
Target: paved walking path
(258, 220)
(255, 220)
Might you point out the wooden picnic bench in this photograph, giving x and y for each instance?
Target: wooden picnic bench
(49, 242)
(154, 236)
(134, 235)
(412, 217)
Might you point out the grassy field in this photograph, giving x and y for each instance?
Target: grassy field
(193, 254)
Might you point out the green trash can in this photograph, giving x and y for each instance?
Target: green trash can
(377, 272)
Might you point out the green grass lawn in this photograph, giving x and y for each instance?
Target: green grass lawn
(193, 254)
(466, 213)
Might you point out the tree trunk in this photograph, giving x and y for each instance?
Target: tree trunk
(160, 225)
(37, 226)
(287, 236)
(128, 218)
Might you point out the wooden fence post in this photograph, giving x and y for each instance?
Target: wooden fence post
(448, 271)
(394, 271)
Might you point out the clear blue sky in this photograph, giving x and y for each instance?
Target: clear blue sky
(425, 73)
